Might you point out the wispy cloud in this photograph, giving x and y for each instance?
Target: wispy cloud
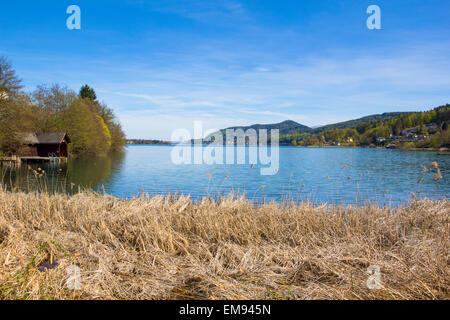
(206, 11)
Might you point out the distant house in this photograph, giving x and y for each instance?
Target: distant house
(393, 138)
(349, 140)
(45, 144)
(380, 140)
(410, 131)
(412, 138)
(431, 125)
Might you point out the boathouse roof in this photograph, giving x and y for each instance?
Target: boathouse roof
(44, 138)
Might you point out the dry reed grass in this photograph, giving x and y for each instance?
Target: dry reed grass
(167, 248)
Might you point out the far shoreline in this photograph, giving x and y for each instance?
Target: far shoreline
(443, 150)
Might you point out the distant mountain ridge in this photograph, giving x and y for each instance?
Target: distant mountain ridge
(290, 127)
(354, 123)
(285, 127)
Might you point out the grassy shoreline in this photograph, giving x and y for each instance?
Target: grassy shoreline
(167, 248)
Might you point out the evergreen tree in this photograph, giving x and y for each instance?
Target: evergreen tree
(87, 92)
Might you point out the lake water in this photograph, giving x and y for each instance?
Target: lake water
(334, 175)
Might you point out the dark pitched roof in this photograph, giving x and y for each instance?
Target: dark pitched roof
(44, 138)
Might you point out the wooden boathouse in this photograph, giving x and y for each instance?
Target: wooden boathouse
(51, 147)
(44, 146)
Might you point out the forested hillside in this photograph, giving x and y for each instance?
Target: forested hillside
(407, 130)
(290, 127)
(356, 122)
(90, 124)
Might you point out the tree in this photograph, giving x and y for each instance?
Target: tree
(11, 102)
(52, 104)
(118, 139)
(421, 129)
(85, 130)
(10, 84)
(87, 92)
(15, 118)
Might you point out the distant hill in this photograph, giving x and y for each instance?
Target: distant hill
(285, 127)
(356, 122)
(291, 127)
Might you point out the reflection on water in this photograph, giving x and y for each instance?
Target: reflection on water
(333, 175)
(70, 176)
(95, 172)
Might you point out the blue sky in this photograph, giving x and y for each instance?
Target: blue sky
(163, 64)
